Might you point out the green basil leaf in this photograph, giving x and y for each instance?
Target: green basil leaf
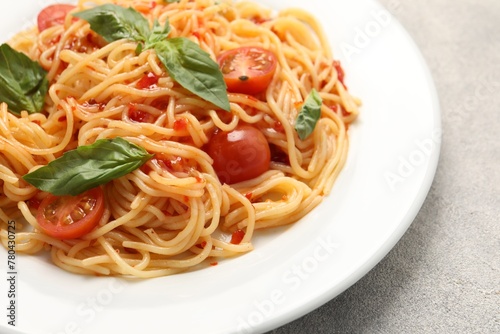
(114, 22)
(309, 115)
(157, 35)
(185, 61)
(23, 82)
(88, 166)
(194, 70)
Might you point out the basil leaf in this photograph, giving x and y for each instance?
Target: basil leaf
(185, 61)
(23, 82)
(88, 166)
(157, 35)
(309, 115)
(194, 70)
(114, 22)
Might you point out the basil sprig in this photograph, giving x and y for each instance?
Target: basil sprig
(23, 82)
(309, 115)
(187, 63)
(184, 60)
(87, 167)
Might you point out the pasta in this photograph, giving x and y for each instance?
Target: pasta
(174, 213)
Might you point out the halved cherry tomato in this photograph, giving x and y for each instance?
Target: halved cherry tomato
(53, 15)
(70, 217)
(239, 155)
(247, 70)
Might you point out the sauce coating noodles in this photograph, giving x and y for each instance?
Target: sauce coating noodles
(174, 214)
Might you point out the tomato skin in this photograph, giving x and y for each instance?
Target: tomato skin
(247, 70)
(84, 210)
(53, 15)
(239, 155)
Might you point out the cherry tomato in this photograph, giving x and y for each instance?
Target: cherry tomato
(70, 217)
(247, 70)
(239, 155)
(53, 15)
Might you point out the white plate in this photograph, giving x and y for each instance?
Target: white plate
(393, 157)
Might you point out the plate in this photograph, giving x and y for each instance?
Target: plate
(392, 160)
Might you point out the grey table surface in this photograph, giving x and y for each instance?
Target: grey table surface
(444, 274)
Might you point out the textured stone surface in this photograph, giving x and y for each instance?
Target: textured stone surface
(444, 274)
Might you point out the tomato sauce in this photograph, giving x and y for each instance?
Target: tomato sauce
(237, 237)
(148, 81)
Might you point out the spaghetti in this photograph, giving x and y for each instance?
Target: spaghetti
(174, 213)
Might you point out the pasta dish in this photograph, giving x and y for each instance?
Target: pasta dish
(145, 138)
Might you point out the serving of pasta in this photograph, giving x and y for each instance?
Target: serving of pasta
(145, 138)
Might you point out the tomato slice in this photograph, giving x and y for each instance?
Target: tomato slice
(239, 155)
(247, 70)
(53, 15)
(71, 217)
